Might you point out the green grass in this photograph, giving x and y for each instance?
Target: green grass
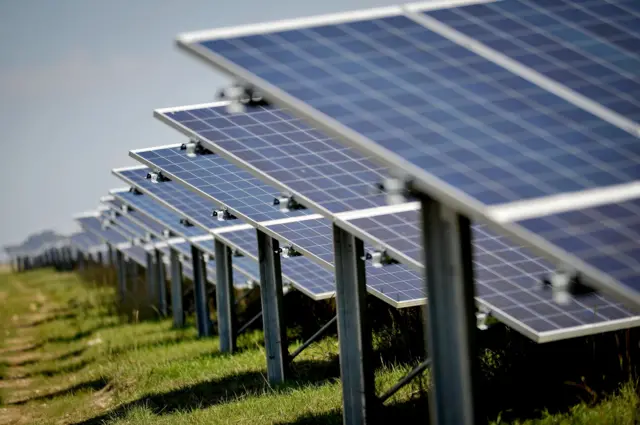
(65, 357)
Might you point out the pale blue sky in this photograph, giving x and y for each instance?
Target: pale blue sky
(79, 80)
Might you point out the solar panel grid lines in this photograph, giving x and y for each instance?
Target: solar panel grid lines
(197, 209)
(125, 227)
(217, 179)
(367, 107)
(299, 158)
(169, 195)
(155, 157)
(551, 51)
(124, 220)
(509, 282)
(304, 274)
(605, 236)
(135, 176)
(93, 224)
(149, 223)
(153, 208)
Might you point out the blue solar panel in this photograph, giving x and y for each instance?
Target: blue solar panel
(154, 227)
(129, 225)
(177, 197)
(469, 122)
(606, 237)
(220, 180)
(302, 272)
(137, 254)
(85, 241)
(184, 248)
(509, 281)
(153, 208)
(292, 154)
(94, 225)
(592, 47)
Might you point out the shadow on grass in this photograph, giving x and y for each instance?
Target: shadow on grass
(49, 319)
(80, 334)
(65, 356)
(224, 390)
(408, 411)
(27, 349)
(94, 385)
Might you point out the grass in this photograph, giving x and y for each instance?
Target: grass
(67, 358)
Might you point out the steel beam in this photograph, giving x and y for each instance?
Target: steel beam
(200, 293)
(177, 303)
(225, 305)
(271, 297)
(121, 270)
(161, 284)
(354, 333)
(451, 314)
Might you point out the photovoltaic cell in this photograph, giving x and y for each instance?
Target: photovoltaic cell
(590, 46)
(606, 237)
(509, 281)
(222, 181)
(474, 125)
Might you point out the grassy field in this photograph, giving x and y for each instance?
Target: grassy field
(66, 358)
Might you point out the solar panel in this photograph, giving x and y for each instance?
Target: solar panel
(461, 127)
(123, 220)
(137, 254)
(605, 237)
(93, 224)
(197, 166)
(296, 156)
(509, 281)
(591, 47)
(85, 241)
(181, 199)
(145, 204)
(222, 181)
(172, 191)
(303, 273)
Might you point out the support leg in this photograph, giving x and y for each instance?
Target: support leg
(161, 284)
(177, 304)
(121, 270)
(152, 295)
(451, 314)
(200, 293)
(275, 335)
(358, 386)
(226, 311)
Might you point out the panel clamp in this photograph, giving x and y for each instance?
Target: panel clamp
(223, 215)
(194, 148)
(157, 177)
(288, 252)
(287, 202)
(395, 190)
(240, 96)
(379, 258)
(566, 283)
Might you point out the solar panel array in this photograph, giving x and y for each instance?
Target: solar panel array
(483, 106)
(462, 122)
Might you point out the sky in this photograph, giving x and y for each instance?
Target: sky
(79, 80)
